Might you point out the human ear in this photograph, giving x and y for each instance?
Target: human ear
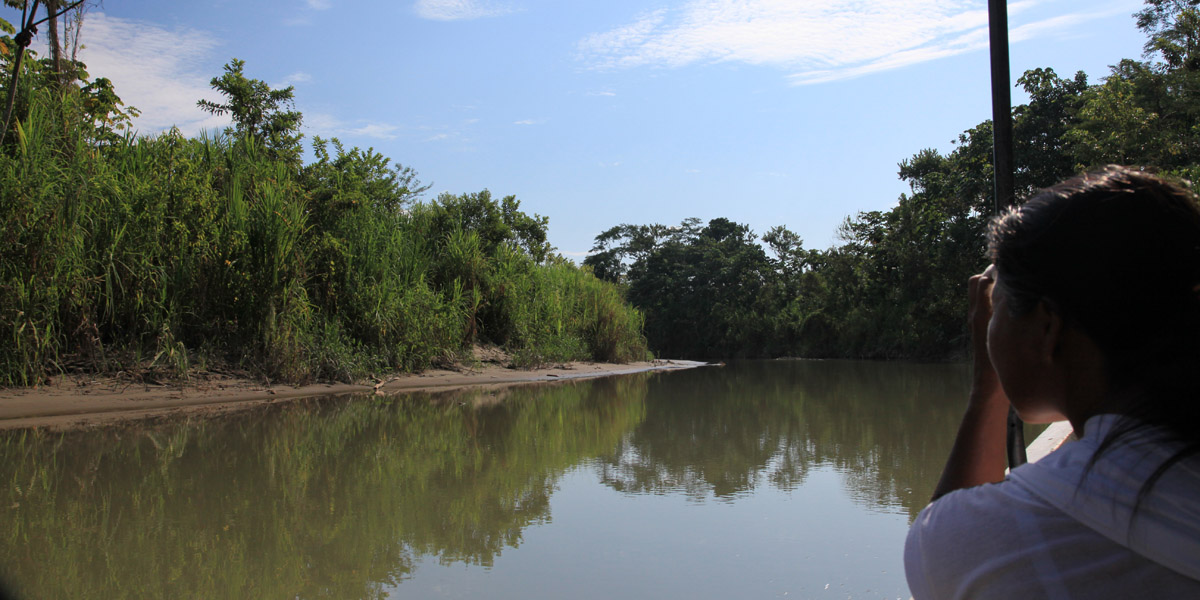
(1050, 328)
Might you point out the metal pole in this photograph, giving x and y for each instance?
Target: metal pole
(1002, 162)
(1002, 152)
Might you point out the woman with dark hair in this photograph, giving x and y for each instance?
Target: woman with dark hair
(1090, 312)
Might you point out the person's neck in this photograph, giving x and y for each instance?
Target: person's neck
(1121, 401)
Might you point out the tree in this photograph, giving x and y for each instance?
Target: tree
(258, 111)
(494, 222)
(624, 242)
(1174, 30)
(19, 42)
(1044, 152)
(60, 83)
(1118, 122)
(357, 178)
(790, 255)
(1145, 112)
(706, 291)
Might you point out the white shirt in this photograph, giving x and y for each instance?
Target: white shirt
(1049, 531)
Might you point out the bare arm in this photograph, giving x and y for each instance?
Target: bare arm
(979, 454)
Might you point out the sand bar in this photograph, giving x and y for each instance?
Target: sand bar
(73, 402)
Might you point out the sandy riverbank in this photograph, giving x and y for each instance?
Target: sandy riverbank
(72, 402)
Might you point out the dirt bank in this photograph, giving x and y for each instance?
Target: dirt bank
(72, 402)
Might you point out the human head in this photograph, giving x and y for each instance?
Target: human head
(1116, 253)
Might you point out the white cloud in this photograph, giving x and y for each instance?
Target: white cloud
(819, 40)
(163, 72)
(160, 71)
(1059, 24)
(454, 10)
(323, 124)
(318, 4)
(379, 131)
(527, 122)
(293, 79)
(327, 126)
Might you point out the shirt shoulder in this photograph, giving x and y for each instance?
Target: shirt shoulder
(1002, 541)
(972, 543)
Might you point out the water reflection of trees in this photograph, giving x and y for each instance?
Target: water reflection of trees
(886, 427)
(342, 498)
(317, 499)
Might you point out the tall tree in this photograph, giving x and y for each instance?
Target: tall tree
(1044, 154)
(706, 291)
(56, 48)
(258, 111)
(1173, 27)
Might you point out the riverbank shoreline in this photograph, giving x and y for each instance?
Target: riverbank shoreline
(79, 402)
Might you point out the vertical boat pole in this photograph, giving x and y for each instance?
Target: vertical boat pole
(1002, 162)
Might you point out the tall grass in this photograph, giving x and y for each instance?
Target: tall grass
(166, 252)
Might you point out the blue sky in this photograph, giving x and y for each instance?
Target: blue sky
(768, 112)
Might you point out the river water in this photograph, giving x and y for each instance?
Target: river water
(761, 479)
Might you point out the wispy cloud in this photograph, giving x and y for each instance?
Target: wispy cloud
(304, 17)
(454, 10)
(528, 122)
(818, 40)
(293, 79)
(326, 125)
(163, 72)
(1060, 24)
(158, 70)
(380, 131)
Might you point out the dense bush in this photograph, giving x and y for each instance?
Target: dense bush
(165, 251)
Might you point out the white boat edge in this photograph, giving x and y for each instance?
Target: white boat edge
(1050, 440)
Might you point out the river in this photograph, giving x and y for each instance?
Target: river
(760, 479)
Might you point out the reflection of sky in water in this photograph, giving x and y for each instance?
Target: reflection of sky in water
(603, 544)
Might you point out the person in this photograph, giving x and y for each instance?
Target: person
(1090, 312)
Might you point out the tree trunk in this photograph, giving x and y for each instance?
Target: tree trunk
(56, 47)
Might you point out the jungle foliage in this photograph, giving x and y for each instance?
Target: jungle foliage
(167, 252)
(894, 284)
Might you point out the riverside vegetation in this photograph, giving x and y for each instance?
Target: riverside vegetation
(171, 252)
(166, 252)
(894, 285)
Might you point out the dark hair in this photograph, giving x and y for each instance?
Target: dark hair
(1116, 253)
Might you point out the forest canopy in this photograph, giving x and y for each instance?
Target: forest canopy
(893, 284)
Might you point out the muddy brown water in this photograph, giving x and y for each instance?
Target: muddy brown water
(761, 479)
